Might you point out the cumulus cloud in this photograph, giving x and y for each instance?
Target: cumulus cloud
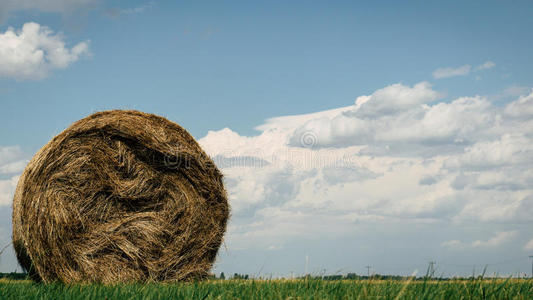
(34, 51)
(443, 123)
(521, 108)
(508, 149)
(451, 72)
(399, 115)
(393, 99)
(397, 155)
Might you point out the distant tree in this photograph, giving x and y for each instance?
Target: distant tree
(240, 276)
(351, 276)
(332, 277)
(222, 276)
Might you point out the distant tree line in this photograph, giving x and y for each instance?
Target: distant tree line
(349, 276)
(14, 276)
(354, 276)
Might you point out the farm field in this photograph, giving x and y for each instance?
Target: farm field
(278, 289)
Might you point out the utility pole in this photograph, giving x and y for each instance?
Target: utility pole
(531, 256)
(306, 265)
(431, 270)
(368, 270)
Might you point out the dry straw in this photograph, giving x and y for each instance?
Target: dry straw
(119, 196)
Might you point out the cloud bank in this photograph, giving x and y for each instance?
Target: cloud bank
(400, 155)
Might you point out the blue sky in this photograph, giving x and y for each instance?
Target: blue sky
(228, 72)
(236, 65)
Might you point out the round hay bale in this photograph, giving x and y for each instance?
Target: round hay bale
(119, 196)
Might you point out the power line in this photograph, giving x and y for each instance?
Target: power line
(306, 264)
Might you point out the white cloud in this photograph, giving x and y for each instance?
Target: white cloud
(487, 65)
(521, 108)
(451, 72)
(395, 98)
(508, 149)
(12, 160)
(529, 245)
(462, 70)
(497, 240)
(34, 51)
(12, 163)
(405, 158)
(14, 167)
(9, 154)
(397, 115)
(7, 190)
(455, 122)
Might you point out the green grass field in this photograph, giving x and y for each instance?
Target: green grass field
(278, 289)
